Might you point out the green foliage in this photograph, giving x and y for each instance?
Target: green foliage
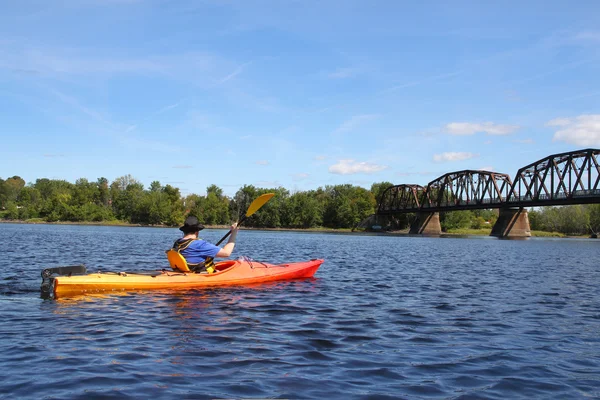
(305, 210)
(568, 220)
(347, 205)
(594, 211)
(456, 220)
(10, 189)
(336, 207)
(378, 188)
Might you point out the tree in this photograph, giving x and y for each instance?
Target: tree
(306, 210)
(102, 196)
(455, 220)
(127, 194)
(155, 186)
(347, 205)
(378, 188)
(594, 213)
(10, 189)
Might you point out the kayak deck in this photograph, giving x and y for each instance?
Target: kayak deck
(233, 272)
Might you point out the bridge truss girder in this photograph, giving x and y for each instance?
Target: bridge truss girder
(467, 189)
(400, 197)
(565, 178)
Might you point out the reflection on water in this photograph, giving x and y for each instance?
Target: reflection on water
(404, 317)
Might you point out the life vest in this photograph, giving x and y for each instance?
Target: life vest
(179, 263)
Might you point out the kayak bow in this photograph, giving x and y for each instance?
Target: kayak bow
(233, 272)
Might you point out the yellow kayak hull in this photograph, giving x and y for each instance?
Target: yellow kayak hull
(235, 272)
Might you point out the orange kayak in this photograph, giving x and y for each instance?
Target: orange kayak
(233, 272)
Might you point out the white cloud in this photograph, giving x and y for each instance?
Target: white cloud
(421, 81)
(354, 122)
(349, 167)
(235, 73)
(583, 130)
(319, 158)
(300, 176)
(343, 73)
(593, 36)
(167, 108)
(559, 122)
(268, 184)
(487, 168)
(470, 128)
(418, 173)
(453, 156)
(262, 162)
(524, 141)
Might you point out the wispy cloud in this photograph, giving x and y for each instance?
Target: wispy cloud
(54, 155)
(580, 96)
(319, 158)
(559, 122)
(583, 130)
(470, 128)
(418, 173)
(421, 81)
(75, 103)
(183, 166)
(349, 167)
(300, 176)
(354, 122)
(343, 73)
(593, 36)
(167, 108)
(453, 156)
(524, 141)
(235, 73)
(267, 183)
(262, 162)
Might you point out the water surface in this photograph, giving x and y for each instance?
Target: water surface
(385, 317)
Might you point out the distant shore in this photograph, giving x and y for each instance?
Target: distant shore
(127, 224)
(456, 232)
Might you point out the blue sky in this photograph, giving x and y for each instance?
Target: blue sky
(298, 94)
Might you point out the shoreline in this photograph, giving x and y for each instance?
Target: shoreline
(462, 232)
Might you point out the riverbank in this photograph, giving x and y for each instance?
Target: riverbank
(127, 224)
(452, 232)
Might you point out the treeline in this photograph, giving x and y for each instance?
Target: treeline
(125, 199)
(336, 206)
(569, 220)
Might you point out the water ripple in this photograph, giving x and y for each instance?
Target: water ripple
(430, 318)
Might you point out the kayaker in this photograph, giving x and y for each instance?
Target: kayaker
(199, 253)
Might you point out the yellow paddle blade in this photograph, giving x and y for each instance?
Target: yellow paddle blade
(258, 203)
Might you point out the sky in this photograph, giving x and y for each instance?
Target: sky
(298, 94)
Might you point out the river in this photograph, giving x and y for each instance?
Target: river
(384, 317)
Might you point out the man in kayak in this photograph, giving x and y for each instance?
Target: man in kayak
(199, 253)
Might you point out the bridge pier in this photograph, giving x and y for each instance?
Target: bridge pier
(426, 223)
(512, 222)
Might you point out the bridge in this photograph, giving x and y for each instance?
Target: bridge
(559, 179)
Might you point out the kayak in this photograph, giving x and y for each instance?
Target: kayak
(74, 280)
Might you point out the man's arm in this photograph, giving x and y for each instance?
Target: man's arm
(228, 248)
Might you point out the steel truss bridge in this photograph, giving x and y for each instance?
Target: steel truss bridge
(559, 179)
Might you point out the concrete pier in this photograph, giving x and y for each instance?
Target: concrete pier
(427, 223)
(512, 222)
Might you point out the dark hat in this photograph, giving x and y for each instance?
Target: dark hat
(191, 225)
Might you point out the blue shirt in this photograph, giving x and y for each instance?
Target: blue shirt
(198, 251)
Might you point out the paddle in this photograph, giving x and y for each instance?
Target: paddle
(254, 207)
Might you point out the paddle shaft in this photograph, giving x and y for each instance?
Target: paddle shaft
(254, 207)
(229, 233)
